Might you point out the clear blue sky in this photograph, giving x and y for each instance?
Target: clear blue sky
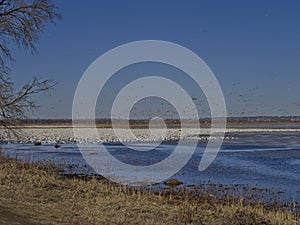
(253, 47)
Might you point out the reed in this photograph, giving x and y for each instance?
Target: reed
(38, 193)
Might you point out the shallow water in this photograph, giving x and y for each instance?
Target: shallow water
(265, 160)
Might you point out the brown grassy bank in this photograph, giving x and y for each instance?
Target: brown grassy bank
(31, 193)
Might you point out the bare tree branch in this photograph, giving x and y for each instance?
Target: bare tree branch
(21, 22)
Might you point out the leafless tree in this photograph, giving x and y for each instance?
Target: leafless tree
(21, 22)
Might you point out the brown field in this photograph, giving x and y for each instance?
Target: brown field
(37, 194)
(143, 125)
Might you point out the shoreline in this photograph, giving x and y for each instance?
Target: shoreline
(141, 125)
(31, 193)
(37, 194)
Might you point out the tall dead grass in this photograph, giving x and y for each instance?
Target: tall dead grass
(34, 193)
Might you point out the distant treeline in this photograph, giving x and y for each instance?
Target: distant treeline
(252, 119)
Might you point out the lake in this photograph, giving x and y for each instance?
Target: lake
(253, 159)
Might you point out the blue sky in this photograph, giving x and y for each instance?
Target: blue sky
(253, 47)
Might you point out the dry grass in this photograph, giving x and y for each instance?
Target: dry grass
(31, 193)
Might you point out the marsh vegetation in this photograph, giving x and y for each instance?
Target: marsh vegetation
(37, 193)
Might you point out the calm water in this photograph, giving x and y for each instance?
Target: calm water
(264, 160)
